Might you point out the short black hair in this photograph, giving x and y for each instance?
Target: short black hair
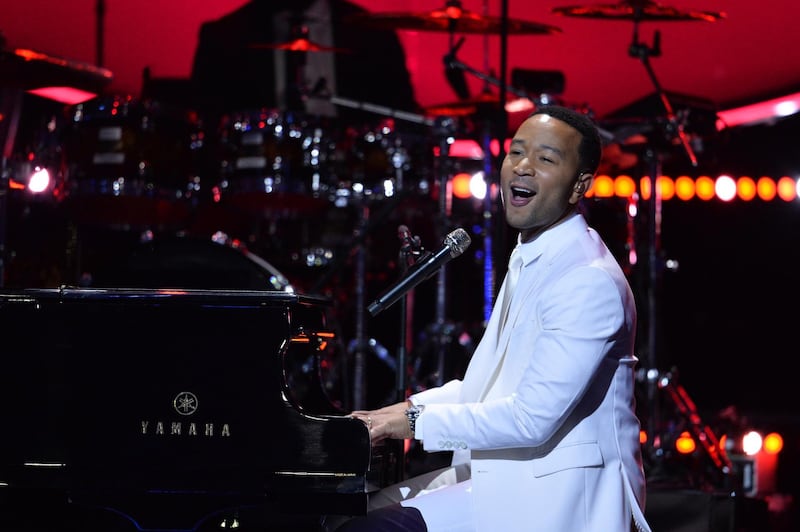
(590, 149)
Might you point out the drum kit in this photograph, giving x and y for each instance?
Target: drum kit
(283, 181)
(125, 148)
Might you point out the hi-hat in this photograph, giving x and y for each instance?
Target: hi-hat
(452, 18)
(299, 45)
(637, 10)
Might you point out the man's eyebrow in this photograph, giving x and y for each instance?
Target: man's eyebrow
(557, 151)
(547, 147)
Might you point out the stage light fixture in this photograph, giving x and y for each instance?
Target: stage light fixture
(760, 112)
(477, 185)
(39, 180)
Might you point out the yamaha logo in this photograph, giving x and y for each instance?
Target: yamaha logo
(185, 403)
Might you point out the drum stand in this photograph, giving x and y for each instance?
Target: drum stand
(444, 130)
(360, 346)
(492, 231)
(654, 380)
(653, 208)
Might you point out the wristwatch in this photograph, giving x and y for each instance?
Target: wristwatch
(412, 413)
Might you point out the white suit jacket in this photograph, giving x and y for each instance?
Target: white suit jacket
(554, 439)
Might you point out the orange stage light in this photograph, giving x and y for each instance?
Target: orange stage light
(685, 443)
(644, 186)
(461, 185)
(746, 188)
(603, 187)
(773, 443)
(787, 188)
(666, 187)
(704, 188)
(624, 186)
(684, 187)
(766, 188)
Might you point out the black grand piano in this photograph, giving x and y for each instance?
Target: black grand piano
(173, 409)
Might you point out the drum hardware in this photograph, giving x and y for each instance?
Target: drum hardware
(379, 369)
(444, 131)
(381, 110)
(487, 108)
(452, 18)
(359, 344)
(300, 44)
(481, 105)
(381, 151)
(43, 74)
(637, 10)
(443, 127)
(54, 78)
(298, 34)
(417, 265)
(131, 163)
(372, 162)
(674, 130)
(370, 215)
(298, 91)
(271, 159)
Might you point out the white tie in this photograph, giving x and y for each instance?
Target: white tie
(514, 267)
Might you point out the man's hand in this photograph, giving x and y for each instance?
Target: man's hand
(387, 422)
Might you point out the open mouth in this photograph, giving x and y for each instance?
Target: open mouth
(519, 192)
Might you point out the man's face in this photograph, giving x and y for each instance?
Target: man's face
(539, 173)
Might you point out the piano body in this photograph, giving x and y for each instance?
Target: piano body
(173, 409)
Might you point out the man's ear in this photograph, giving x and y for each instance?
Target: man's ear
(582, 185)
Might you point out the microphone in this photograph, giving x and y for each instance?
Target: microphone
(454, 245)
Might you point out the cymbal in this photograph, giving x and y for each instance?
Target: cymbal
(300, 45)
(637, 10)
(616, 159)
(29, 69)
(451, 18)
(469, 106)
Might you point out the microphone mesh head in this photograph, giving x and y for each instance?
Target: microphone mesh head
(458, 241)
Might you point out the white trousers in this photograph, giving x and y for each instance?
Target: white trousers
(443, 496)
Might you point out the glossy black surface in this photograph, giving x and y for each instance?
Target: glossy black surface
(171, 409)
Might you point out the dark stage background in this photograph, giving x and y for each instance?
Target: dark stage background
(726, 317)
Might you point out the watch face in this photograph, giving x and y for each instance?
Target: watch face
(414, 411)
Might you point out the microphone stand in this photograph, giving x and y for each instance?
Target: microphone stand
(410, 253)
